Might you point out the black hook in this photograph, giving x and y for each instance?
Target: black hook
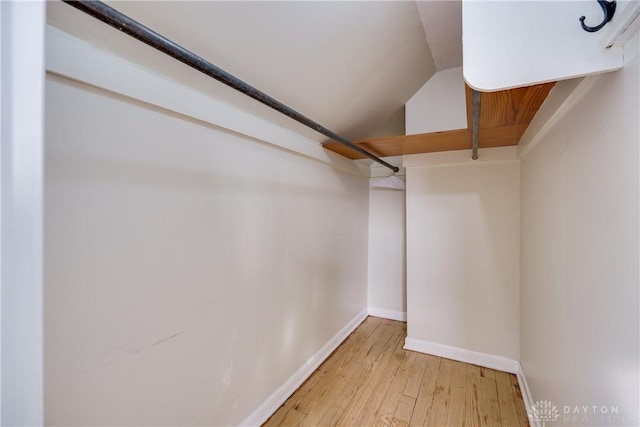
(609, 8)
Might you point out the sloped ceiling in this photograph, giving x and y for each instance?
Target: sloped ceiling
(442, 21)
(350, 66)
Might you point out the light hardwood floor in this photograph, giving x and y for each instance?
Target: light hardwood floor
(371, 381)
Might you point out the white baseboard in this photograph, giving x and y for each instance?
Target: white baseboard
(387, 314)
(468, 356)
(278, 397)
(481, 359)
(526, 395)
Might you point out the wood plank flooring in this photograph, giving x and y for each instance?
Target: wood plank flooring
(370, 380)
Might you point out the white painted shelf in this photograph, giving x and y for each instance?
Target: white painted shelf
(508, 44)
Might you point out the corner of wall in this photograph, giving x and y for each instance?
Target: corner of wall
(526, 395)
(440, 104)
(262, 413)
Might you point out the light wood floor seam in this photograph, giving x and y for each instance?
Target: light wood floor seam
(370, 380)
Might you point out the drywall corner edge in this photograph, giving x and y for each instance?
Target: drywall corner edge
(561, 98)
(490, 361)
(278, 397)
(22, 212)
(526, 395)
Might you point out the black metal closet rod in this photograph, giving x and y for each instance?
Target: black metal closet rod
(122, 22)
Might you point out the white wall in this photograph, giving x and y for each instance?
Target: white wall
(387, 292)
(463, 250)
(580, 255)
(439, 105)
(21, 151)
(189, 271)
(284, 49)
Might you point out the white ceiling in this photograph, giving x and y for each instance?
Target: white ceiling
(350, 66)
(442, 21)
